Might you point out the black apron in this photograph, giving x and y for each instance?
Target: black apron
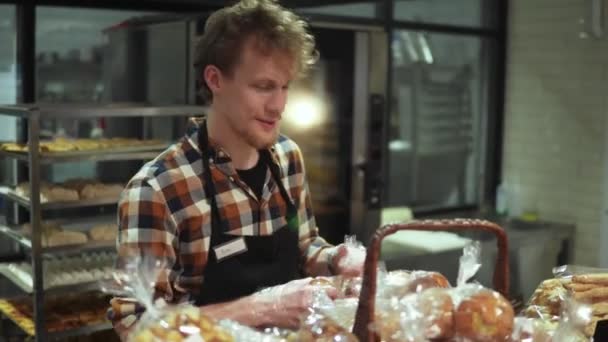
(269, 260)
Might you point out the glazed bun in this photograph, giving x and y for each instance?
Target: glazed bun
(401, 283)
(437, 308)
(484, 316)
(422, 280)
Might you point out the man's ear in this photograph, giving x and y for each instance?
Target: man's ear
(213, 78)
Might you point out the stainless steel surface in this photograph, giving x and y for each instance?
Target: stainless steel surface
(12, 234)
(27, 288)
(359, 151)
(370, 78)
(35, 221)
(74, 249)
(83, 111)
(99, 155)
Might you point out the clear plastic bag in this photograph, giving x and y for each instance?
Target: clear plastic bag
(162, 322)
(318, 326)
(587, 285)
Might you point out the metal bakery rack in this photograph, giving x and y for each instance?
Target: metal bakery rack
(35, 157)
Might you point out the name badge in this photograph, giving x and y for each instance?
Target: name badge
(230, 248)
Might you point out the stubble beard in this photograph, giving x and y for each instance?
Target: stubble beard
(259, 142)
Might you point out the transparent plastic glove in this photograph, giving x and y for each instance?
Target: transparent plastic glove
(348, 258)
(285, 306)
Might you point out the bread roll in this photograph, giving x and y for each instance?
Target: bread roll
(104, 232)
(485, 316)
(99, 190)
(401, 283)
(437, 308)
(182, 325)
(422, 280)
(65, 238)
(48, 192)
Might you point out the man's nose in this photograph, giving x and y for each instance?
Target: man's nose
(276, 103)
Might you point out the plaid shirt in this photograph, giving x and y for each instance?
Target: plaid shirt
(164, 213)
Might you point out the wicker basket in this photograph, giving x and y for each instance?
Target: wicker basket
(367, 299)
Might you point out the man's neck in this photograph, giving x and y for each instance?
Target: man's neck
(243, 155)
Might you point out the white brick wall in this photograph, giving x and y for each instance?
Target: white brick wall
(555, 116)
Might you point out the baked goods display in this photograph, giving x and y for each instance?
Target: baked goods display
(69, 145)
(317, 327)
(104, 232)
(466, 313)
(48, 192)
(72, 190)
(401, 283)
(62, 312)
(182, 324)
(484, 316)
(62, 271)
(546, 301)
(549, 299)
(54, 235)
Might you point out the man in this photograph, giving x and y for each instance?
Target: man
(228, 206)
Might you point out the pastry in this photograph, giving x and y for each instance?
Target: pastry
(13, 147)
(484, 316)
(599, 294)
(547, 299)
(422, 280)
(65, 238)
(594, 278)
(48, 192)
(104, 232)
(99, 190)
(401, 283)
(178, 325)
(322, 329)
(77, 184)
(437, 308)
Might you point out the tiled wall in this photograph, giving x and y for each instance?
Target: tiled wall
(557, 89)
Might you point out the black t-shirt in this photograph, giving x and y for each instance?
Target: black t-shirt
(255, 177)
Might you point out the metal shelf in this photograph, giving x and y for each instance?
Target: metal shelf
(83, 111)
(26, 324)
(86, 330)
(51, 290)
(32, 115)
(127, 153)
(25, 202)
(90, 246)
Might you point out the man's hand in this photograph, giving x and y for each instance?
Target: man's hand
(285, 305)
(347, 260)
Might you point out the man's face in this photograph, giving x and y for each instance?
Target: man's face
(253, 98)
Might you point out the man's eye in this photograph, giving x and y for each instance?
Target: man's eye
(264, 87)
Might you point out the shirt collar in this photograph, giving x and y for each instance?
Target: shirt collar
(216, 152)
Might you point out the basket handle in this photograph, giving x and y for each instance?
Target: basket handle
(367, 297)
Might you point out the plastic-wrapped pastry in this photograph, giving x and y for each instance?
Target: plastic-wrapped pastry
(401, 283)
(317, 327)
(182, 323)
(484, 316)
